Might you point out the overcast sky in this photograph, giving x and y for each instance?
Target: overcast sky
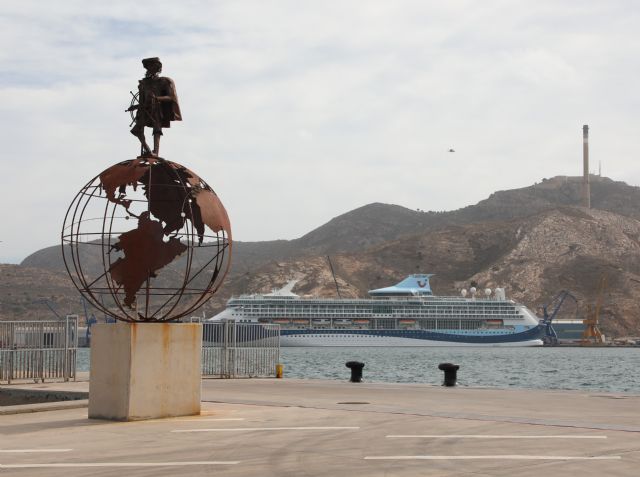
(298, 111)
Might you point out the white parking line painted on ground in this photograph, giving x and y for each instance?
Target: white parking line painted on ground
(210, 420)
(244, 429)
(26, 451)
(495, 457)
(118, 464)
(480, 436)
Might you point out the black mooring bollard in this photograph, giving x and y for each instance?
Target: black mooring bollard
(450, 373)
(356, 370)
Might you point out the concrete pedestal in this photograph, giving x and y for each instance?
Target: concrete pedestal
(145, 370)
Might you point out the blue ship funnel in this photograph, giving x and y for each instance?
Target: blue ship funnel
(417, 284)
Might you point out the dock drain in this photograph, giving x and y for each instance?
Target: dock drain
(354, 402)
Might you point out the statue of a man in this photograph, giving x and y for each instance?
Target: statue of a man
(157, 105)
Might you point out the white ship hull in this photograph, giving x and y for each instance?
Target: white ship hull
(354, 340)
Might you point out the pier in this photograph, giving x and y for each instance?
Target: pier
(276, 427)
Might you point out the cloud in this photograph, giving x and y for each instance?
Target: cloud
(296, 112)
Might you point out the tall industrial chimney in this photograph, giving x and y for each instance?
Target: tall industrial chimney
(586, 188)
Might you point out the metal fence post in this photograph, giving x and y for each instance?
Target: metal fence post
(10, 373)
(75, 348)
(65, 358)
(12, 351)
(41, 357)
(225, 349)
(234, 351)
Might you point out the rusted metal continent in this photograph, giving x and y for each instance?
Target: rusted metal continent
(213, 213)
(145, 252)
(179, 207)
(119, 176)
(176, 191)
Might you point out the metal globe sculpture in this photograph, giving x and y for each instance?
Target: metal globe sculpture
(147, 240)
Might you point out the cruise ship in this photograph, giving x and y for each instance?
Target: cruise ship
(406, 314)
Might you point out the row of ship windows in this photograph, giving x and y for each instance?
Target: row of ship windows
(391, 324)
(383, 308)
(400, 317)
(344, 303)
(361, 315)
(271, 310)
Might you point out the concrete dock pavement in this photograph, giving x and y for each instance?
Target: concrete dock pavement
(309, 427)
(560, 408)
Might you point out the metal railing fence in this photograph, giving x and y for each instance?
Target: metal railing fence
(240, 350)
(41, 350)
(38, 350)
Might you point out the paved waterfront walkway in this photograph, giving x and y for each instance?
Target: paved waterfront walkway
(308, 428)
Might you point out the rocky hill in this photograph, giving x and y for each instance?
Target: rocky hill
(533, 258)
(378, 223)
(533, 241)
(24, 291)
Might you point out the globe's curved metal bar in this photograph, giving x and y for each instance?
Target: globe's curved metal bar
(113, 287)
(161, 303)
(73, 242)
(219, 258)
(190, 238)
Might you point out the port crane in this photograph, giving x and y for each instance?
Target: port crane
(48, 304)
(334, 276)
(550, 335)
(592, 334)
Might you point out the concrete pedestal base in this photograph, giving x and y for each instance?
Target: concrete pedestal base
(145, 370)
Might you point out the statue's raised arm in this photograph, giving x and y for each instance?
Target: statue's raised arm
(157, 105)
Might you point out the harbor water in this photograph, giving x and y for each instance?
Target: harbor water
(585, 369)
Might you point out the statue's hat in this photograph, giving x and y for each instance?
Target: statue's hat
(149, 61)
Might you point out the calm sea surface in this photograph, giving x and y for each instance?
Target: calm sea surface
(593, 369)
